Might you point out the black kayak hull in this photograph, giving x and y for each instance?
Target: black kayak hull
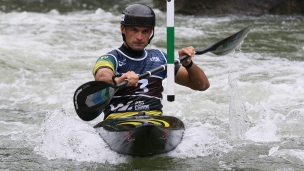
(142, 135)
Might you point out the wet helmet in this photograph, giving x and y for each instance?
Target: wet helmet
(138, 15)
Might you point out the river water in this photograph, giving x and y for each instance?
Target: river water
(251, 118)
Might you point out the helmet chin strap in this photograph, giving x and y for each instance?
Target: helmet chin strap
(124, 39)
(151, 36)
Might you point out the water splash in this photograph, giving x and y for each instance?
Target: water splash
(265, 129)
(238, 120)
(201, 140)
(64, 136)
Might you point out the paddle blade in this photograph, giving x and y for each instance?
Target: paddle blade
(91, 98)
(228, 44)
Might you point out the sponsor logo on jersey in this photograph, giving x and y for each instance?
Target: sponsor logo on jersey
(121, 107)
(155, 58)
(104, 57)
(123, 62)
(140, 105)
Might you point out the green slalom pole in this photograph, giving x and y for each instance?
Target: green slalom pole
(170, 50)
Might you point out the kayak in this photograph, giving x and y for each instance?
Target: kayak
(142, 135)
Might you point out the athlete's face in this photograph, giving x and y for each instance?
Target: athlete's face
(137, 37)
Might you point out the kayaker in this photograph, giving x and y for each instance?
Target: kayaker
(131, 59)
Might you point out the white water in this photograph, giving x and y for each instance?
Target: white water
(253, 112)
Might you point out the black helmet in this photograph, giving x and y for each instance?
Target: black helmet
(138, 15)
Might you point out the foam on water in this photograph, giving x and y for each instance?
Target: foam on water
(290, 155)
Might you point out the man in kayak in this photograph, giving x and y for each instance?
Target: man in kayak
(131, 59)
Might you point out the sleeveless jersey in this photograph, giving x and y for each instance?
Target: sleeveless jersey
(148, 94)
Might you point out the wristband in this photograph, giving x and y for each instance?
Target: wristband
(114, 76)
(189, 65)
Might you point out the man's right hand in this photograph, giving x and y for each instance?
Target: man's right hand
(131, 76)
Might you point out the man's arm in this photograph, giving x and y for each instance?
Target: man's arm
(106, 74)
(192, 77)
